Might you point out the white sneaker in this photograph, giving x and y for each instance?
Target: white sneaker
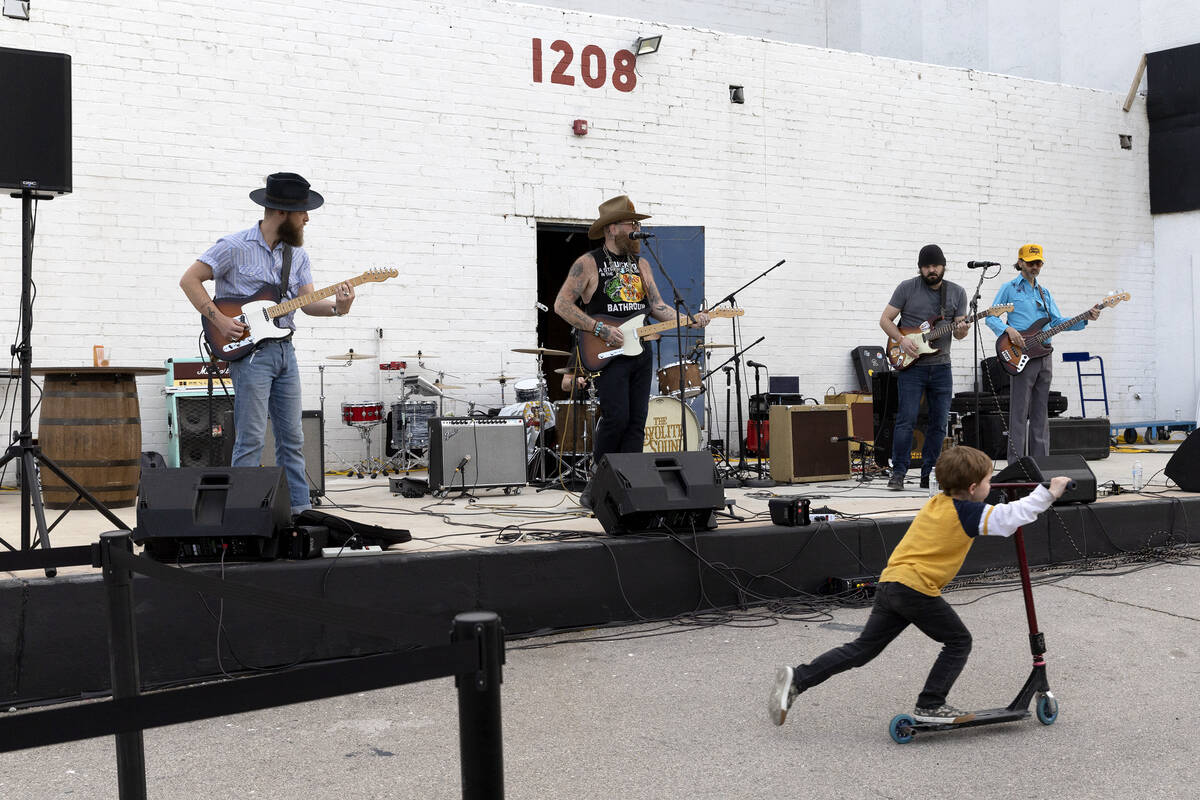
(783, 693)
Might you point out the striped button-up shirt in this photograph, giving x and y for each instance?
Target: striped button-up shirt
(242, 265)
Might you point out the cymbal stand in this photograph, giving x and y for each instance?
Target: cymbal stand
(405, 458)
(541, 421)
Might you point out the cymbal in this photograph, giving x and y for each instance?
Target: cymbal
(569, 371)
(709, 346)
(501, 378)
(418, 356)
(441, 385)
(546, 351)
(351, 356)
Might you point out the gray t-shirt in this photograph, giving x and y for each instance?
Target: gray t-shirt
(918, 303)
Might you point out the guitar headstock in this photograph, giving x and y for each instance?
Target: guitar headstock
(1112, 298)
(379, 274)
(996, 311)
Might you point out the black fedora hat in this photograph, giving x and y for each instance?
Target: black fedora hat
(287, 191)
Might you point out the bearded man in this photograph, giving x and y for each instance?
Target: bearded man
(925, 298)
(615, 282)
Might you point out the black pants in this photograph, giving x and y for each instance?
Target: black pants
(896, 606)
(624, 388)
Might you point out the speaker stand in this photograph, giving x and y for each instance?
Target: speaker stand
(23, 447)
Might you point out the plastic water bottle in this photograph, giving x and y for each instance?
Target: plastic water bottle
(1137, 476)
(933, 484)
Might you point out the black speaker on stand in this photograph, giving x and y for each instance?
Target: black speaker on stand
(1184, 466)
(1038, 469)
(635, 492)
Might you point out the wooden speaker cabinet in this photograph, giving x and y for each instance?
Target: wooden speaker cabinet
(862, 413)
(802, 446)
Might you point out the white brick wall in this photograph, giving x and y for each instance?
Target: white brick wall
(437, 153)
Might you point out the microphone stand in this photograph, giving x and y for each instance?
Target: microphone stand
(863, 444)
(974, 306)
(728, 383)
(760, 481)
(679, 304)
(735, 482)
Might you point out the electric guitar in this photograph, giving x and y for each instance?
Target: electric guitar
(925, 333)
(595, 354)
(259, 312)
(1014, 359)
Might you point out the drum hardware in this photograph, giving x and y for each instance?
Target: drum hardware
(710, 346)
(540, 351)
(443, 386)
(365, 417)
(350, 356)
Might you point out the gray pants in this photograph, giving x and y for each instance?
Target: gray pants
(1030, 405)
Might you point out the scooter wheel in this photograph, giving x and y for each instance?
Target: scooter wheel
(1047, 710)
(901, 729)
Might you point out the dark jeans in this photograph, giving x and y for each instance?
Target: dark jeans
(937, 384)
(624, 388)
(896, 606)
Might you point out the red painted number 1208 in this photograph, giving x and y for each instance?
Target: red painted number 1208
(593, 66)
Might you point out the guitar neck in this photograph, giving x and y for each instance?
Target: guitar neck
(941, 330)
(288, 306)
(1059, 328)
(659, 327)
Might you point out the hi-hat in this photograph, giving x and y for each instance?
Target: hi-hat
(441, 385)
(420, 356)
(351, 356)
(500, 378)
(545, 351)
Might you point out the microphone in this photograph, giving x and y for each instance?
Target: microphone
(640, 235)
(836, 439)
(981, 264)
(463, 463)
(755, 365)
(540, 306)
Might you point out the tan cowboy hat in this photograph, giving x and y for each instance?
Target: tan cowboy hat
(617, 209)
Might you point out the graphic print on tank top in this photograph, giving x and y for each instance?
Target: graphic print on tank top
(621, 291)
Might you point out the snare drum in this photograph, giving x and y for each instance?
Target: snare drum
(576, 423)
(664, 426)
(362, 413)
(668, 379)
(412, 419)
(529, 389)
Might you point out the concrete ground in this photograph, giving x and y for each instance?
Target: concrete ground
(678, 710)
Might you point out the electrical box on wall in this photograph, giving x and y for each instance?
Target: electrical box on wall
(579, 127)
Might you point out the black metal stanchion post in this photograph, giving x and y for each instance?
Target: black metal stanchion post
(123, 663)
(481, 746)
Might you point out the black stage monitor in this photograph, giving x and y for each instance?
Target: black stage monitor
(35, 120)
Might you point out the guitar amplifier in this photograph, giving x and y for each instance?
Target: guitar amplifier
(802, 446)
(196, 435)
(868, 361)
(476, 452)
(862, 415)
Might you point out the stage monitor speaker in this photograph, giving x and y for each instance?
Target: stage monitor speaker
(35, 138)
(476, 452)
(1037, 469)
(314, 448)
(196, 512)
(676, 492)
(868, 361)
(195, 428)
(1184, 466)
(1085, 436)
(803, 446)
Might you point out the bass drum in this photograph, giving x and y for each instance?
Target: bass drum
(665, 424)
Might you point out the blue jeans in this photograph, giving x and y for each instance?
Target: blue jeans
(936, 383)
(267, 382)
(896, 607)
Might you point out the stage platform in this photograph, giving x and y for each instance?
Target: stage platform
(536, 558)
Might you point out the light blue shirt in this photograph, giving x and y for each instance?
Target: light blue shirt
(1029, 305)
(242, 265)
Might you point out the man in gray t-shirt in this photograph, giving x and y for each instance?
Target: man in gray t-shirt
(925, 298)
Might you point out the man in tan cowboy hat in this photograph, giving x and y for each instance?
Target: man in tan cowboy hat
(613, 281)
(267, 379)
(1029, 405)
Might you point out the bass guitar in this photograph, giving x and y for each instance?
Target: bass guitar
(926, 332)
(1014, 359)
(260, 311)
(595, 354)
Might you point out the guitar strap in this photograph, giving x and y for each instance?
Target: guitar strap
(1045, 302)
(942, 301)
(287, 271)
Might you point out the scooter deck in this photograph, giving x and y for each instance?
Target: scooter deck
(989, 716)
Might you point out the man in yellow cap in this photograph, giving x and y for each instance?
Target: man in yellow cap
(614, 281)
(1029, 406)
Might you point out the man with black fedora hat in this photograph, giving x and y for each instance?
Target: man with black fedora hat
(267, 381)
(917, 300)
(614, 281)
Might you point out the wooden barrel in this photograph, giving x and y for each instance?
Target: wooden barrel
(91, 428)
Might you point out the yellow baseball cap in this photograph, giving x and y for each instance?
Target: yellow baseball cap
(1031, 252)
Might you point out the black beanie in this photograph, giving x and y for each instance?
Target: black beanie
(931, 254)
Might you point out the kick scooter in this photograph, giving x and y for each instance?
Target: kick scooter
(903, 727)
